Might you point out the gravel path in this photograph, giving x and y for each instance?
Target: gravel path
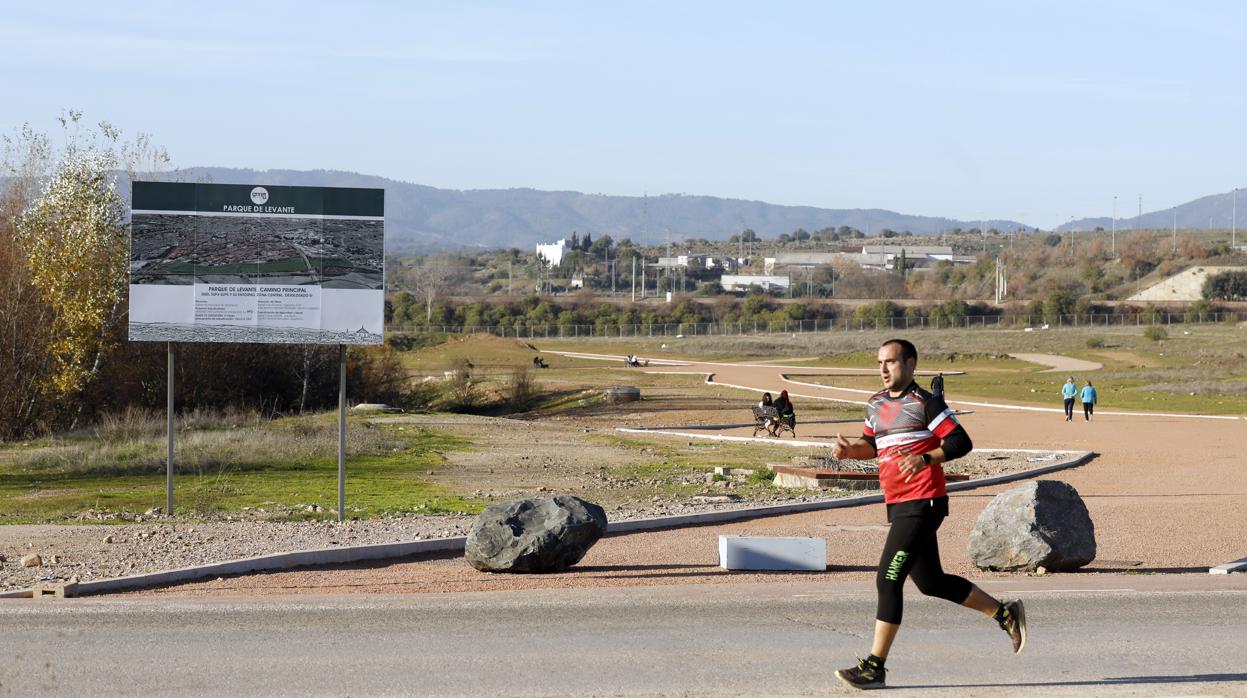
(1059, 364)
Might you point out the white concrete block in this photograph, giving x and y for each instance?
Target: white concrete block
(1227, 568)
(767, 553)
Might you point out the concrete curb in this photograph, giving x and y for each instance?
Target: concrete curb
(385, 551)
(1227, 568)
(262, 563)
(669, 431)
(1079, 458)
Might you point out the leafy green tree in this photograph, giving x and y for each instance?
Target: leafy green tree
(1227, 286)
(879, 313)
(1056, 304)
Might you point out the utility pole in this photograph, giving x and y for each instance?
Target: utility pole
(1234, 221)
(633, 278)
(1000, 281)
(1114, 225)
(1175, 228)
(644, 227)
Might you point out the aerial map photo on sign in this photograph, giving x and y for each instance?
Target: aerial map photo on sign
(242, 263)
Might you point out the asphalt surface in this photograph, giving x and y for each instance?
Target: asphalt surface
(1146, 635)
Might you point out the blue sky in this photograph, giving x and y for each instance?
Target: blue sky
(1039, 111)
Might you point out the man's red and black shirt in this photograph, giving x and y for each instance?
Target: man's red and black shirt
(913, 423)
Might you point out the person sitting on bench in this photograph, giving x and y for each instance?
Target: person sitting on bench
(767, 402)
(783, 406)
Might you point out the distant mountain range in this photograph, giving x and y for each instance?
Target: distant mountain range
(420, 217)
(1208, 212)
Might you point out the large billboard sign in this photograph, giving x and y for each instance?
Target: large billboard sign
(251, 263)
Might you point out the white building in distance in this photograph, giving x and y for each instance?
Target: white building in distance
(552, 253)
(686, 261)
(742, 282)
(934, 253)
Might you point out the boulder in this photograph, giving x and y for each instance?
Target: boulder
(1043, 523)
(621, 393)
(534, 535)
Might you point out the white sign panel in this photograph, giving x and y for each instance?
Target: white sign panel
(247, 263)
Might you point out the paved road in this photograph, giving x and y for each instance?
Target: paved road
(725, 640)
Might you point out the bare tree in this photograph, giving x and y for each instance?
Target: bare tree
(432, 277)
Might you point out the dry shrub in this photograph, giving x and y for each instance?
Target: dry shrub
(522, 390)
(460, 394)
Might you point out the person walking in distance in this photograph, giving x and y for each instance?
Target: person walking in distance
(1068, 391)
(912, 432)
(1089, 398)
(937, 385)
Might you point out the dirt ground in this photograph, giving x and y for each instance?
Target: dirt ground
(579, 452)
(1164, 494)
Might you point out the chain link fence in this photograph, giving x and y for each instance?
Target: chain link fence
(847, 324)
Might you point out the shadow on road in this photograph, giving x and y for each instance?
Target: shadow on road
(660, 571)
(1112, 681)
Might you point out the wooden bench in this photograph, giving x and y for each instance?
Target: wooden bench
(765, 417)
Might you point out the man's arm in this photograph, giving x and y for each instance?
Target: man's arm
(954, 440)
(857, 449)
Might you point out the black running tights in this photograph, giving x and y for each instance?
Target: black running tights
(912, 551)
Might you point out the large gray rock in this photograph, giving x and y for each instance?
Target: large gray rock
(1043, 523)
(534, 535)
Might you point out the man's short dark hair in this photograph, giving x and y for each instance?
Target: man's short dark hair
(908, 350)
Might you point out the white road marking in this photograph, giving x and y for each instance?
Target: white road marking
(784, 377)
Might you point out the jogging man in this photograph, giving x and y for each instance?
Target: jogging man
(937, 385)
(912, 432)
(1089, 398)
(1068, 391)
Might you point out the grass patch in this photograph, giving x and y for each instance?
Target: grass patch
(761, 476)
(1174, 384)
(282, 466)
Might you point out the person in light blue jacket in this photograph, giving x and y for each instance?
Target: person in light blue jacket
(1088, 401)
(1068, 392)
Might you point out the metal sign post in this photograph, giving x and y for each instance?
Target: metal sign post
(169, 430)
(341, 431)
(193, 276)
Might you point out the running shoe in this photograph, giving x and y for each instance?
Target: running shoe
(864, 676)
(1014, 623)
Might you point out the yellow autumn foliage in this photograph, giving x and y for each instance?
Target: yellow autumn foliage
(74, 239)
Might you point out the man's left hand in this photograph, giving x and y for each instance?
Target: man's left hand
(910, 465)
